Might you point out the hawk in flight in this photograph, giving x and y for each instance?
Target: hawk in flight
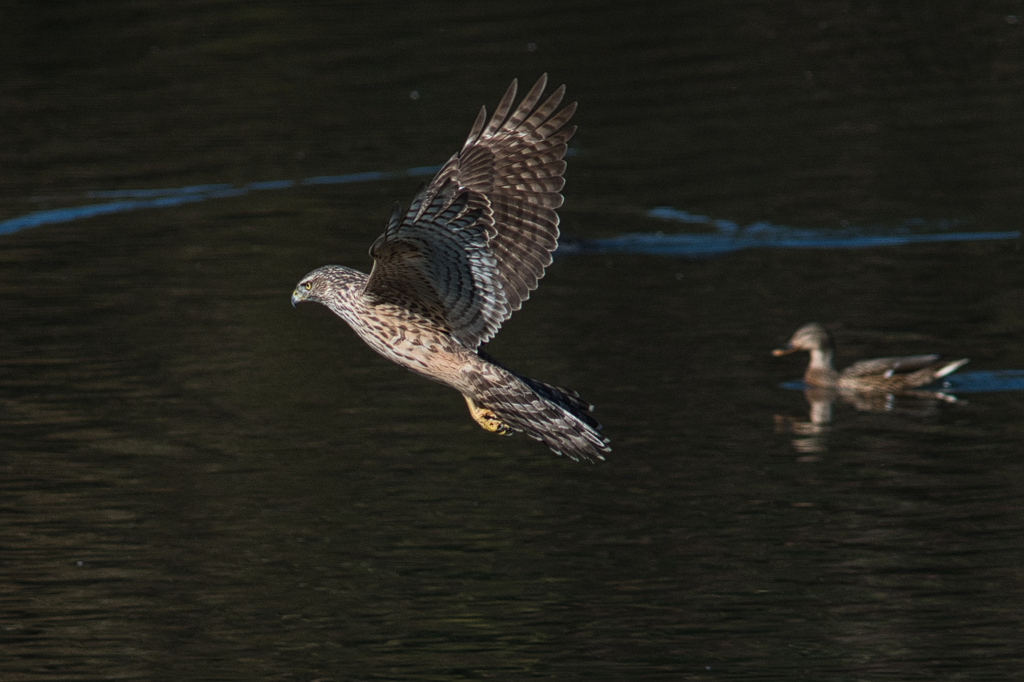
(452, 268)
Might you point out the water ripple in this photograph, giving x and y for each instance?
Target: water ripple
(727, 237)
(985, 382)
(135, 199)
(730, 236)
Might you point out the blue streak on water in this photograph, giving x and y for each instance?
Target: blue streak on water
(135, 199)
(148, 193)
(272, 184)
(985, 382)
(342, 179)
(63, 215)
(793, 385)
(420, 171)
(730, 236)
(701, 245)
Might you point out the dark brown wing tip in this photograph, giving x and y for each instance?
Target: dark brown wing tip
(478, 127)
(502, 110)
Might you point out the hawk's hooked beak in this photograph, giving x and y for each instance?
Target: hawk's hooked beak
(297, 297)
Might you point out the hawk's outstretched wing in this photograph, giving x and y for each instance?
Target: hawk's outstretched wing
(476, 241)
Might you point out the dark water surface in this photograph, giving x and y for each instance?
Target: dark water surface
(199, 482)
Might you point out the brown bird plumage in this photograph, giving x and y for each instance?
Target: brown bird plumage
(465, 255)
(876, 375)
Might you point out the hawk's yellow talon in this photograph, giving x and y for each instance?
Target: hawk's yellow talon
(487, 419)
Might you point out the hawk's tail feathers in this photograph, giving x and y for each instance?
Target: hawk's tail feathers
(558, 418)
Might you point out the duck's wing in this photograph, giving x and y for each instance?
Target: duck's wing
(887, 367)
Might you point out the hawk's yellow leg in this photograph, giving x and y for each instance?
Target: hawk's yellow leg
(487, 419)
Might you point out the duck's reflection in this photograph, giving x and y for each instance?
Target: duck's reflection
(810, 435)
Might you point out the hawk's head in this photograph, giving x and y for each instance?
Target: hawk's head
(331, 283)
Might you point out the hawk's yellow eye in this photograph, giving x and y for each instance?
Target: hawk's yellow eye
(307, 286)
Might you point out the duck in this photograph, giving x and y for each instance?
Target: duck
(889, 375)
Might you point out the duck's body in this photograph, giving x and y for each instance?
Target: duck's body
(889, 375)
